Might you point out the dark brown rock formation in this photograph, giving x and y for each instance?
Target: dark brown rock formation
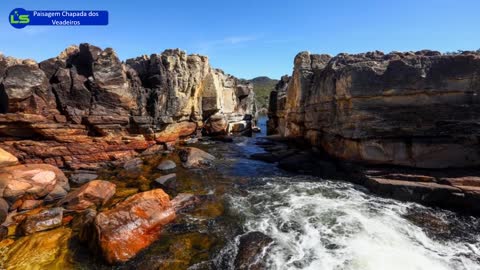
(412, 109)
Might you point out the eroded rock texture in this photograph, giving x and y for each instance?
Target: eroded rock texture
(86, 107)
(417, 109)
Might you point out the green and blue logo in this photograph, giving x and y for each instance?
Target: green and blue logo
(19, 18)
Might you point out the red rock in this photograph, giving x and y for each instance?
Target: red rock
(94, 193)
(133, 225)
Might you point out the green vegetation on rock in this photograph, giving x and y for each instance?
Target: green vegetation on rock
(262, 86)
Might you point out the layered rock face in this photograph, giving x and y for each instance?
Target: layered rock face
(85, 107)
(411, 109)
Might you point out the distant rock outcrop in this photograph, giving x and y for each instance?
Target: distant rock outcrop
(85, 106)
(418, 109)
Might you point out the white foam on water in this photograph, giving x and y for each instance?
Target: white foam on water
(331, 226)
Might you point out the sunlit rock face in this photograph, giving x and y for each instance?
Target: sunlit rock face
(183, 87)
(86, 107)
(417, 109)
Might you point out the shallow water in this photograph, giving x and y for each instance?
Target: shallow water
(315, 223)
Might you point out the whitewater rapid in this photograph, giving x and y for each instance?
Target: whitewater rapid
(318, 224)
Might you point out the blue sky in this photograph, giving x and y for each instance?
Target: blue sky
(250, 38)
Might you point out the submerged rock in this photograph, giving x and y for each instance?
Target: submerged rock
(45, 220)
(3, 232)
(193, 157)
(133, 165)
(44, 250)
(82, 177)
(184, 201)
(133, 225)
(251, 251)
(166, 165)
(165, 180)
(83, 224)
(92, 194)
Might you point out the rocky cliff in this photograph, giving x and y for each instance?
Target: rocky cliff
(85, 106)
(418, 109)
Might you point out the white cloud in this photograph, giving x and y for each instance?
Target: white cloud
(206, 46)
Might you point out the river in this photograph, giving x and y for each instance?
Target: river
(320, 224)
(314, 223)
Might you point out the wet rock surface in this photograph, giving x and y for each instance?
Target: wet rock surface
(44, 220)
(166, 179)
(252, 250)
(133, 225)
(192, 157)
(82, 177)
(92, 194)
(44, 250)
(166, 165)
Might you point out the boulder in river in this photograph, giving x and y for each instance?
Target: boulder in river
(94, 193)
(175, 131)
(250, 255)
(121, 232)
(133, 225)
(217, 124)
(193, 157)
(44, 220)
(133, 165)
(82, 177)
(166, 165)
(166, 179)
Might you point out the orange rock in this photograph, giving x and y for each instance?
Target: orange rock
(93, 193)
(133, 225)
(175, 131)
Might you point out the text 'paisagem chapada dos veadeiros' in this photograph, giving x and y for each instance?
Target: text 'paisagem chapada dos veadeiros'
(19, 17)
(68, 15)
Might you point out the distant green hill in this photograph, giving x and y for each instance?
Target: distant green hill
(262, 86)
